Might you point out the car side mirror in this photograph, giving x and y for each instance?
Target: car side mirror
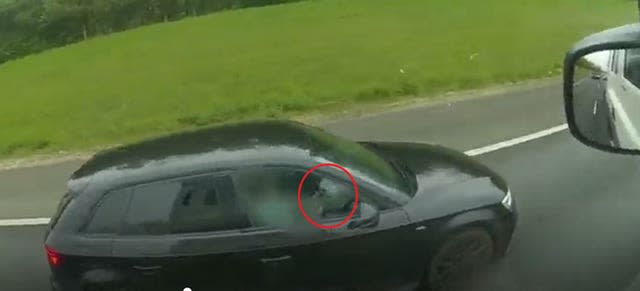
(369, 217)
(602, 90)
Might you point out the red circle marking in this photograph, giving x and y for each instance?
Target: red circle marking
(355, 202)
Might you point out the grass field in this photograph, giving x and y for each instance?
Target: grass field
(282, 60)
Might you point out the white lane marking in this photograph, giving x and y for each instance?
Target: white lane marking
(473, 152)
(24, 221)
(595, 107)
(516, 141)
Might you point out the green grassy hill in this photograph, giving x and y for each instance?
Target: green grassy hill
(272, 61)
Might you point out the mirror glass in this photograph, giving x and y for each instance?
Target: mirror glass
(606, 98)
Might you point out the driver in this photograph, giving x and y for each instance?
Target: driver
(331, 198)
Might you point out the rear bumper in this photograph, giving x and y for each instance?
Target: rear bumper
(73, 280)
(60, 285)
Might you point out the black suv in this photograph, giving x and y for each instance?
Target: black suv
(221, 209)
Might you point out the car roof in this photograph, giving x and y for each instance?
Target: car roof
(217, 147)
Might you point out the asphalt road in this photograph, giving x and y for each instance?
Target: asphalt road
(578, 207)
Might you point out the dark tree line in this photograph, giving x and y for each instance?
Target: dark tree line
(29, 26)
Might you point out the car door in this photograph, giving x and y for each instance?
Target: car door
(191, 232)
(299, 256)
(374, 257)
(269, 196)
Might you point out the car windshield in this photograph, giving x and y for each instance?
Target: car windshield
(197, 144)
(359, 158)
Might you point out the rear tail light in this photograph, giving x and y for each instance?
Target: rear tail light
(53, 256)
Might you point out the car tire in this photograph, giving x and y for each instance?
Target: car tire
(457, 259)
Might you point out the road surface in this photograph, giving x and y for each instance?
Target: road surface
(578, 206)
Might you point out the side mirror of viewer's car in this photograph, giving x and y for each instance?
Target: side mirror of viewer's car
(602, 90)
(369, 217)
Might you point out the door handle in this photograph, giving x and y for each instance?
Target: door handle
(275, 259)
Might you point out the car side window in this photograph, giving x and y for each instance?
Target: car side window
(270, 194)
(150, 208)
(195, 204)
(611, 61)
(330, 198)
(614, 61)
(109, 212)
(632, 66)
(207, 204)
(619, 62)
(377, 199)
(615, 56)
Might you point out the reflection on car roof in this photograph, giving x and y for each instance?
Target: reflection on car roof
(212, 144)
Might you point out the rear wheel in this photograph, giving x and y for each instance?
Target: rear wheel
(458, 259)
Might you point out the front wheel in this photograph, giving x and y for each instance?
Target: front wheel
(458, 258)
